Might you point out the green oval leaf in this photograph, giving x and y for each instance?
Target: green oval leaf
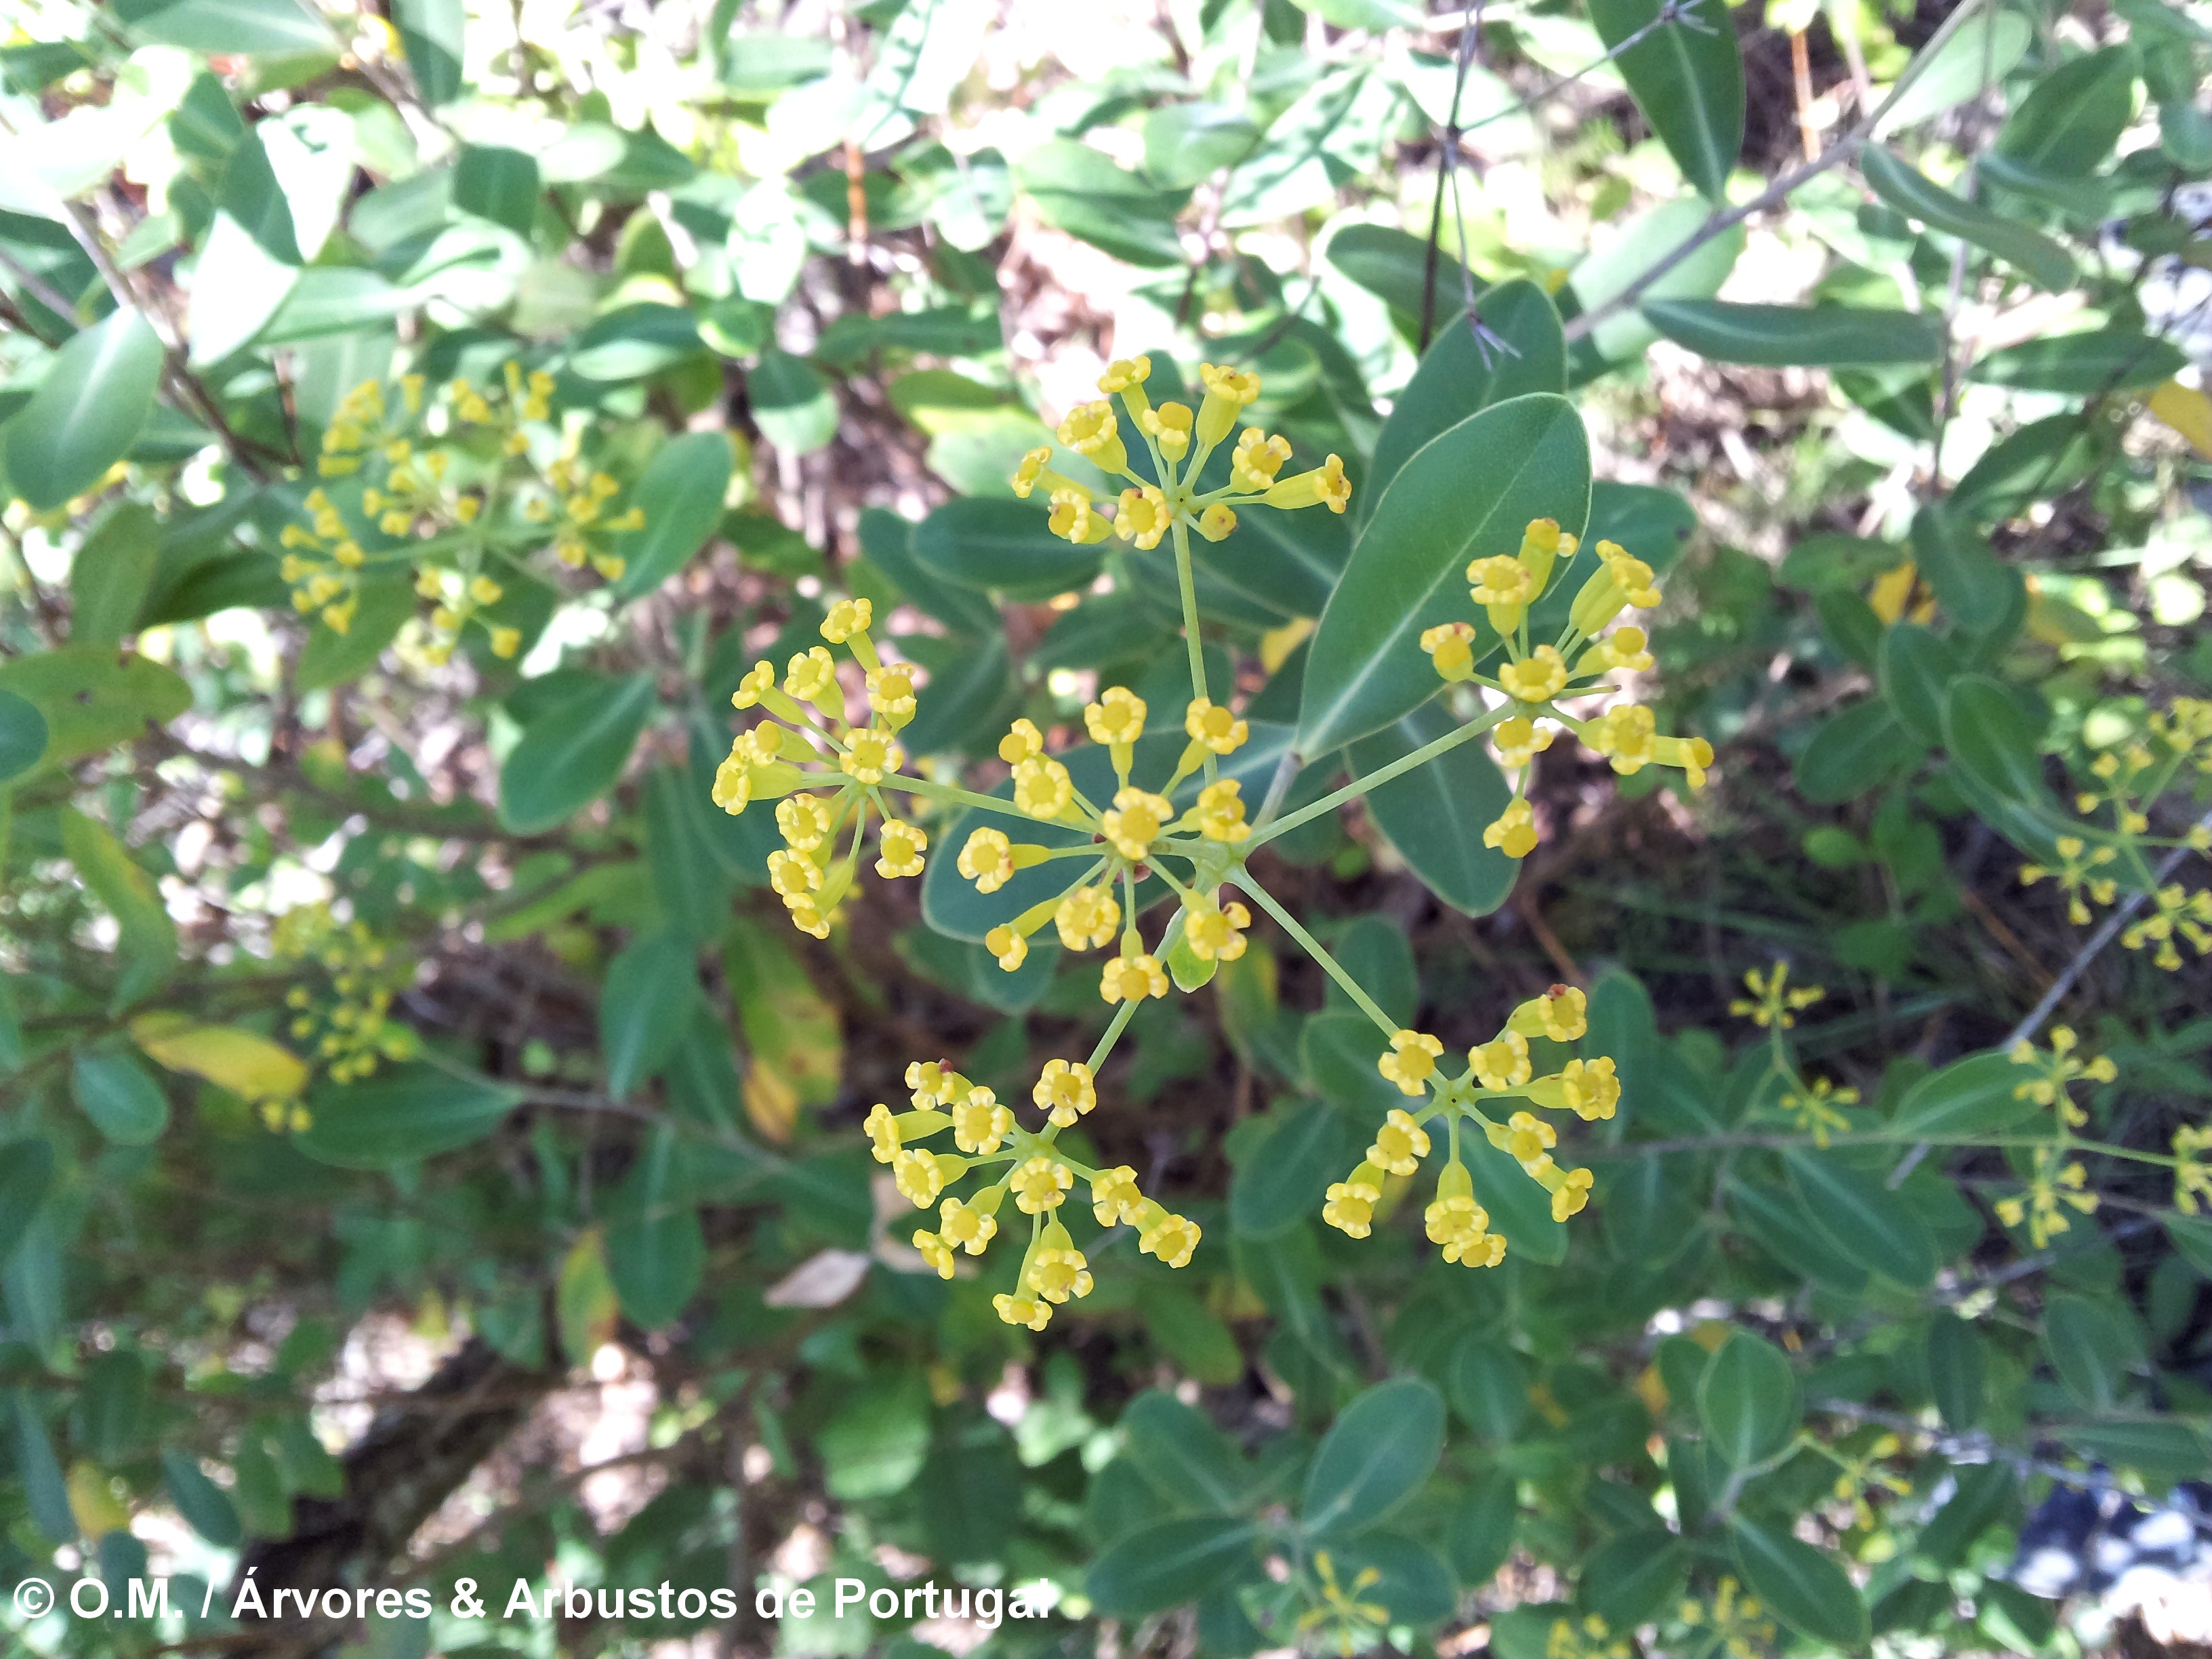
(1283, 1178)
(1747, 1400)
(572, 753)
(1773, 1218)
(1489, 1386)
(2092, 1344)
(681, 492)
(27, 1170)
(1178, 1449)
(1957, 1361)
(1628, 1579)
(1853, 752)
(1460, 376)
(1967, 64)
(1972, 1097)
(400, 1116)
(1990, 740)
(22, 736)
(1915, 665)
(2073, 116)
(204, 1504)
(1862, 1218)
(1435, 814)
(791, 404)
(1802, 1587)
(1167, 1564)
(91, 699)
(1467, 494)
(1914, 194)
(984, 542)
(634, 342)
(1820, 336)
(242, 28)
(645, 1007)
(1382, 1446)
(1687, 78)
(97, 392)
(655, 1248)
(2090, 364)
(120, 1098)
(1080, 189)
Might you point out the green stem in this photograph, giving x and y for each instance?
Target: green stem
(1114, 1027)
(1359, 786)
(1897, 1137)
(1312, 947)
(1188, 584)
(936, 790)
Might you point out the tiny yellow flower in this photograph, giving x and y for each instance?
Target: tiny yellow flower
(1514, 830)
(1519, 740)
(506, 641)
(1227, 391)
(1031, 1311)
(869, 753)
(1114, 1196)
(794, 873)
(1257, 460)
(1217, 522)
(1023, 742)
(934, 1251)
(1057, 1273)
(900, 849)
(922, 1175)
(1627, 736)
(1326, 485)
(846, 617)
(883, 1129)
(1461, 1226)
(1589, 1089)
(1087, 918)
(810, 674)
(1132, 979)
(1041, 1184)
(1633, 575)
(1091, 431)
(1624, 649)
(1118, 716)
(1221, 812)
(971, 1229)
(733, 784)
(1537, 677)
(1501, 1064)
(1042, 788)
(1123, 373)
(1135, 822)
(1504, 587)
(1072, 519)
(988, 859)
(891, 693)
(1527, 1138)
(805, 821)
(1208, 723)
(1142, 516)
(1542, 543)
(1172, 1238)
(1035, 470)
(1411, 1060)
(1349, 1206)
(1569, 1197)
(1168, 427)
(1400, 1144)
(980, 1123)
(1216, 931)
(1450, 647)
(1562, 1014)
(1065, 1091)
(1010, 949)
(931, 1084)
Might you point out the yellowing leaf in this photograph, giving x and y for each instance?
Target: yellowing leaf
(249, 1066)
(94, 1504)
(2188, 411)
(789, 1027)
(1277, 643)
(1891, 590)
(771, 1102)
(585, 1299)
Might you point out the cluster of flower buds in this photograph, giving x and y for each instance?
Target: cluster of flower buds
(1008, 1159)
(1580, 662)
(2127, 783)
(1128, 838)
(345, 1026)
(1500, 1075)
(825, 773)
(1180, 440)
(447, 486)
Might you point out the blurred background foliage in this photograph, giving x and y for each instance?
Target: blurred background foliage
(426, 1154)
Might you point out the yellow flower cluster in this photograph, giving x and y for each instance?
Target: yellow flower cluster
(1816, 1107)
(347, 1029)
(1126, 838)
(1027, 1164)
(803, 737)
(2056, 1182)
(2055, 1186)
(1772, 1003)
(1501, 1070)
(2127, 781)
(1181, 441)
(1579, 663)
(450, 481)
(2192, 1175)
(1587, 1638)
(1338, 1618)
(1736, 1624)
